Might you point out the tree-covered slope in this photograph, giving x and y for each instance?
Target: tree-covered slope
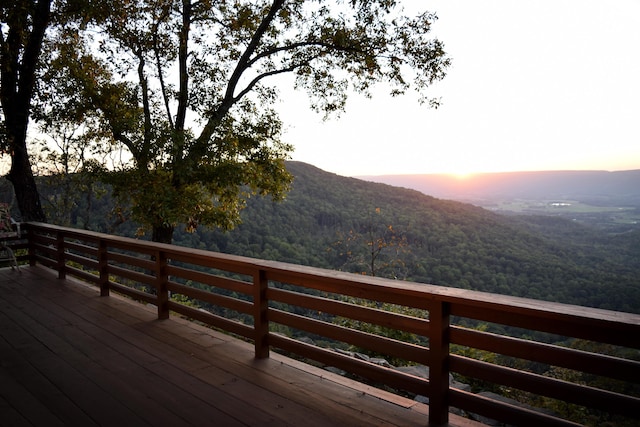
(344, 223)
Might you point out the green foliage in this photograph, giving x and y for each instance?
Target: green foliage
(183, 88)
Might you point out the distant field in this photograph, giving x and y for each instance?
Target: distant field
(554, 207)
(606, 216)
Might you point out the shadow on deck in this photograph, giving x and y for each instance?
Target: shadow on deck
(71, 357)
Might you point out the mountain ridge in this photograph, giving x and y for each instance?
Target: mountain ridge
(588, 185)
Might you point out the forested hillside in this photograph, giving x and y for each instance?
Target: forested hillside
(344, 223)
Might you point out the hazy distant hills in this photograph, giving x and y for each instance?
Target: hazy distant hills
(592, 187)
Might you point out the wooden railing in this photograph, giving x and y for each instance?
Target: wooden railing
(275, 304)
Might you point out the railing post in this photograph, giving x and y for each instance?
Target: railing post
(32, 246)
(260, 319)
(439, 364)
(103, 268)
(60, 252)
(162, 293)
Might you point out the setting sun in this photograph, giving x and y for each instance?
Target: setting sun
(461, 175)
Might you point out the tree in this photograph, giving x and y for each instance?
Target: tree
(22, 30)
(68, 153)
(377, 248)
(192, 91)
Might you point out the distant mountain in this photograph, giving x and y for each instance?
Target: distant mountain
(593, 187)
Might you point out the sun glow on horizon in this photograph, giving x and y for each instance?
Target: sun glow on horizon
(461, 176)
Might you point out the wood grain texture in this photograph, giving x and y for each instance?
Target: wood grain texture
(71, 357)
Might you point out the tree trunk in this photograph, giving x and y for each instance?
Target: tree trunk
(21, 175)
(24, 186)
(162, 233)
(18, 66)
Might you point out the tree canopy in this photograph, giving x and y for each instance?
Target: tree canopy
(186, 90)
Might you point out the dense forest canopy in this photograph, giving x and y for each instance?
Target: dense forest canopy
(343, 223)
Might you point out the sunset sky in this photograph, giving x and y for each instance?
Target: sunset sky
(534, 85)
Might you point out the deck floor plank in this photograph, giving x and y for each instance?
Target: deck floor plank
(71, 357)
(134, 357)
(267, 392)
(177, 363)
(141, 374)
(19, 368)
(113, 372)
(18, 405)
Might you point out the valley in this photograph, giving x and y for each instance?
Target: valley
(606, 200)
(534, 247)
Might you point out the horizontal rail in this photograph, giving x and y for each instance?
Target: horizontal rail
(535, 383)
(554, 318)
(211, 298)
(81, 248)
(132, 293)
(598, 364)
(82, 274)
(358, 367)
(375, 342)
(129, 260)
(210, 279)
(374, 328)
(213, 320)
(511, 414)
(356, 312)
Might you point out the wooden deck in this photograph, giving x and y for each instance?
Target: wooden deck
(71, 357)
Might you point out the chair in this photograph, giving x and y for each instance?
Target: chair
(9, 230)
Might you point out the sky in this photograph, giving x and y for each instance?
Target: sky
(534, 85)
